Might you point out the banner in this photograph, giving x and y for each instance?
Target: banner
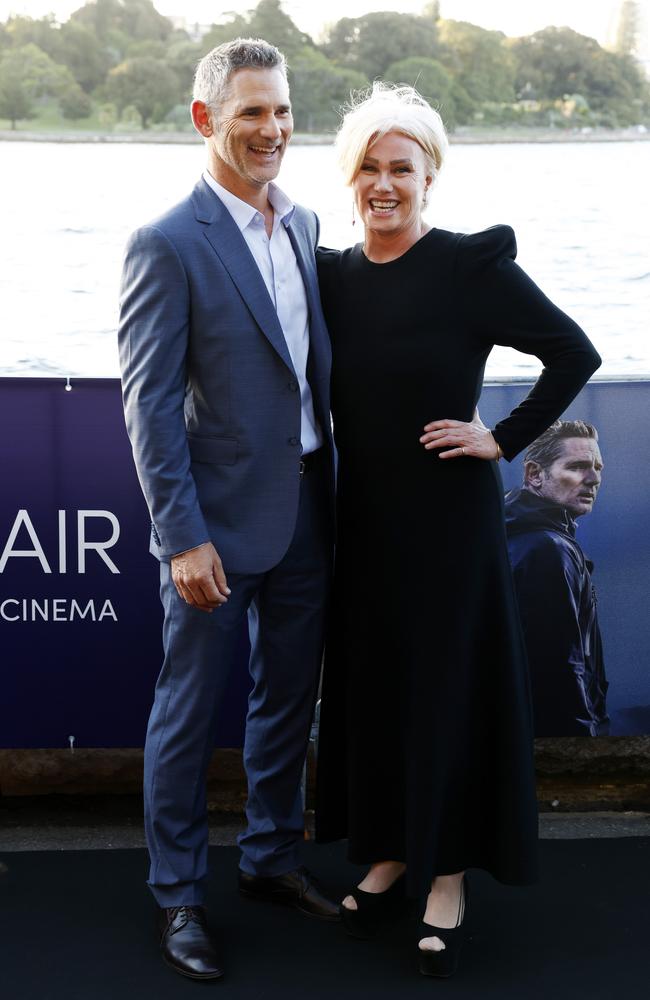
(80, 619)
(612, 535)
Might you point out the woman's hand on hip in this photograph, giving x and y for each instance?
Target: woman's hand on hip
(461, 439)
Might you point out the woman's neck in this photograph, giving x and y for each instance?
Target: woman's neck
(381, 248)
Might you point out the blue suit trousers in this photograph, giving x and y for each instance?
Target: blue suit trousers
(286, 616)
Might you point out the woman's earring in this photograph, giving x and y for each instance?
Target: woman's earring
(353, 215)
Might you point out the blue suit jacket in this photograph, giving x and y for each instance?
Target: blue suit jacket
(211, 398)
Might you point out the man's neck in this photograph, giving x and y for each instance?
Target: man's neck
(256, 197)
(252, 194)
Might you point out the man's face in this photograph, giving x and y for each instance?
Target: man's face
(573, 480)
(251, 130)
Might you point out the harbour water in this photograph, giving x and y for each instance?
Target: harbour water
(580, 212)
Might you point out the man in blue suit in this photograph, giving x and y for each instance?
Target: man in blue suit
(225, 362)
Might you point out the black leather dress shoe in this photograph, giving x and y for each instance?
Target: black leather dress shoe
(297, 889)
(186, 944)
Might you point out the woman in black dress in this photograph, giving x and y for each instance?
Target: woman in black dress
(425, 746)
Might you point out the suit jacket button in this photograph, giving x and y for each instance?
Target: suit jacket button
(294, 441)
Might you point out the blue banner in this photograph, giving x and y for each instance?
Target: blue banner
(80, 619)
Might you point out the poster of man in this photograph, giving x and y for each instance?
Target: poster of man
(553, 580)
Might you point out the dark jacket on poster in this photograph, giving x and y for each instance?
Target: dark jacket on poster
(557, 604)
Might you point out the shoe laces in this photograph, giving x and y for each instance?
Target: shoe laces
(187, 915)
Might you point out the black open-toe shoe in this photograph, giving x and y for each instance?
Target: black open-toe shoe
(374, 909)
(445, 962)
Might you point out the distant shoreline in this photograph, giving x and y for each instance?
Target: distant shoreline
(463, 136)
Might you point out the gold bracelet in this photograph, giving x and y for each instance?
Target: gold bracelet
(499, 454)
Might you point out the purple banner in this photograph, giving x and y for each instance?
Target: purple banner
(80, 618)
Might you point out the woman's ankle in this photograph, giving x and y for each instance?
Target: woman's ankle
(444, 899)
(382, 875)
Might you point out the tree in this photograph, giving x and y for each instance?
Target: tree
(270, 22)
(559, 61)
(16, 96)
(437, 85)
(26, 73)
(371, 43)
(183, 57)
(150, 47)
(479, 60)
(74, 103)
(138, 20)
(319, 89)
(85, 56)
(146, 83)
(235, 27)
(43, 32)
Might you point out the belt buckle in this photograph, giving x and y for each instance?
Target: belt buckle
(302, 465)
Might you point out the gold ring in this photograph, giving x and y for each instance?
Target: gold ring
(462, 451)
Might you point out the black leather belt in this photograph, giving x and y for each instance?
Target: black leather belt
(307, 462)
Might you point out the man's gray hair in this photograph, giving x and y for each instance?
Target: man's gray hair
(216, 68)
(548, 447)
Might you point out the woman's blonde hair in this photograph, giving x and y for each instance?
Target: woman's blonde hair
(386, 108)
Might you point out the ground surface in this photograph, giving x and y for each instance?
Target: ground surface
(52, 823)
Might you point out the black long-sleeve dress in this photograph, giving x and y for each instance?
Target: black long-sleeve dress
(425, 746)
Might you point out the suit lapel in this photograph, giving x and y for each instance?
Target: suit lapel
(230, 246)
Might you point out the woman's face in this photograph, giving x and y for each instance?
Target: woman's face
(390, 186)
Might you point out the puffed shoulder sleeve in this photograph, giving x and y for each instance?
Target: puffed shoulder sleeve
(504, 306)
(327, 265)
(327, 260)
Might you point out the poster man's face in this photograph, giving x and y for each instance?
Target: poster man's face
(573, 480)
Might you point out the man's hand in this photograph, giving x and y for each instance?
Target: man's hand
(199, 577)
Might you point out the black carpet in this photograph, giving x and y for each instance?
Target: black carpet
(79, 926)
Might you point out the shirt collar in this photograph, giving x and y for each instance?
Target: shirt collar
(243, 213)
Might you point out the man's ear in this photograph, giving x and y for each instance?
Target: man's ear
(533, 474)
(201, 118)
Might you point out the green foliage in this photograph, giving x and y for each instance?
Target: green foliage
(131, 119)
(178, 119)
(479, 61)
(107, 115)
(151, 47)
(28, 31)
(370, 44)
(146, 83)
(268, 21)
(235, 27)
(27, 73)
(437, 85)
(74, 103)
(87, 59)
(123, 52)
(559, 61)
(137, 20)
(318, 90)
(183, 57)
